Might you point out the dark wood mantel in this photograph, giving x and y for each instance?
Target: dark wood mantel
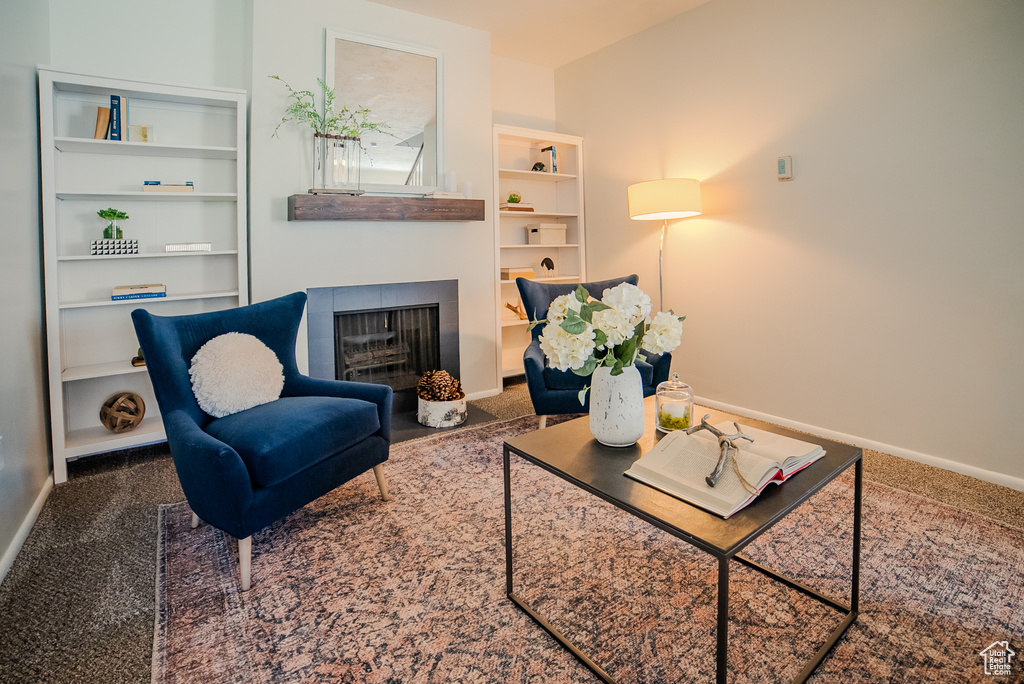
(366, 208)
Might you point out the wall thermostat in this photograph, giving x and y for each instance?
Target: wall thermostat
(785, 168)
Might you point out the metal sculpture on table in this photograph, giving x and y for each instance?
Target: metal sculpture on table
(727, 444)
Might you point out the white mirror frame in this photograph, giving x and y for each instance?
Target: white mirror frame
(332, 35)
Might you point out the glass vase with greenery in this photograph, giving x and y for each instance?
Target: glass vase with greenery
(112, 231)
(336, 132)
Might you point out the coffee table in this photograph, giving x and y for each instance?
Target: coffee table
(570, 452)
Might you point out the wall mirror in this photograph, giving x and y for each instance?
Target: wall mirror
(403, 86)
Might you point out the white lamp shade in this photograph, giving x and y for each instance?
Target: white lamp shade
(670, 198)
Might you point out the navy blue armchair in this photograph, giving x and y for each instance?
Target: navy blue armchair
(555, 392)
(244, 471)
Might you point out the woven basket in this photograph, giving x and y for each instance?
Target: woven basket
(122, 412)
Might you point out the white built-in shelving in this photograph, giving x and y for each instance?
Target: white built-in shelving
(198, 135)
(556, 198)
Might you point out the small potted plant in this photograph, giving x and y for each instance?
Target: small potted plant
(112, 231)
(337, 134)
(441, 401)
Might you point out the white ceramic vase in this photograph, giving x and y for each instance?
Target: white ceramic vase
(616, 406)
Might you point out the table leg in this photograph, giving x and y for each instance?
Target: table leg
(508, 523)
(857, 502)
(722, 655)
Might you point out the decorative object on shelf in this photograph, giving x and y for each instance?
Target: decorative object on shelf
(517, 309)
(112, 231)
(440, 400)
(113, 247)
(545, 233)
(586, 335)
(139, 360)
(539, 166)
(102, 123)
(548, 158)
(669, 198)
(140, 133)
(336, 137)
(547, 267)
(122, 412)
(514, 197)
(673, 405)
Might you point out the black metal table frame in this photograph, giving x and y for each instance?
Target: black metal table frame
(722, 646)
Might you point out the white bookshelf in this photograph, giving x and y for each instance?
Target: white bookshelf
(556, 198)
(198, 135)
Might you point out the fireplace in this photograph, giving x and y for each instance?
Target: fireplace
(387, 334)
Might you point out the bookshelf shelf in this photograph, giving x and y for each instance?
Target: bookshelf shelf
(90, 146)
(90, 339)
(556, 198)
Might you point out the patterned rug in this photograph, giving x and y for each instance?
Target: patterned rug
(354, 589)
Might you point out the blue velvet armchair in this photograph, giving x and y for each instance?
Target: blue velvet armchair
(555, 392)
(244, 471)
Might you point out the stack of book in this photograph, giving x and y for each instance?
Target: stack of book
(515, 206)
(112, 123)
(153, 291)
(168, 186)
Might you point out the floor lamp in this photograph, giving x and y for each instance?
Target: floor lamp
(669, 198)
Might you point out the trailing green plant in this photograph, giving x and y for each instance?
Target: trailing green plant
(325, 120)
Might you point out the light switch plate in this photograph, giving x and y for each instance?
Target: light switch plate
(785, 168)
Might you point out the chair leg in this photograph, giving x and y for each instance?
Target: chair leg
(382, 482)
(195, 520)
(245, 561)
(543, 422)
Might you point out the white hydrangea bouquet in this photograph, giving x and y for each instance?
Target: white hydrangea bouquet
(584, 333)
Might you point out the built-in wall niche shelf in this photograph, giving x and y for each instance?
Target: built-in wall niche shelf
(146, 300)
(90, 146)
(331, 207)
(149, 196)
(537, 214)
(519, 174)
(146, 255)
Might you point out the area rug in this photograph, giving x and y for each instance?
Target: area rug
(355, 589)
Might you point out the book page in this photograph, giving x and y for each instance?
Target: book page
(680, 462)
(789, 453)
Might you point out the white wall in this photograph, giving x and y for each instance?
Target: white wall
(880, 293)
(288, 40)
(522, 94)
(24, 449)
(187, 42)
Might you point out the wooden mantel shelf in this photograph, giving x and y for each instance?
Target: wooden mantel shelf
(366, 208)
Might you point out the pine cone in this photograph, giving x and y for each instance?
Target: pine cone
(439, 386)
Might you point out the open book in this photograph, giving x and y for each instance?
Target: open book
(680, 462)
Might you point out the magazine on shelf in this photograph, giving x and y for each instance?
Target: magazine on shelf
(678, 464)
(122, 292)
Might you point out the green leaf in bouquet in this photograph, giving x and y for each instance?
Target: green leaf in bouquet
(600, 338)
(587, 368)
(583, 395)
(581, 294)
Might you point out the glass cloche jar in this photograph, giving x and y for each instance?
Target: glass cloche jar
(674, 402)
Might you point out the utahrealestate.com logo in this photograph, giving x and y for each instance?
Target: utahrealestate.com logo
(997, 658)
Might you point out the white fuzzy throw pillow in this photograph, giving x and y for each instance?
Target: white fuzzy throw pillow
(233, 372)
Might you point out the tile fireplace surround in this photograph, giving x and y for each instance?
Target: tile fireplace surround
(324, 302)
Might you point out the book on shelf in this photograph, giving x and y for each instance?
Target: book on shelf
(141, 295)
(188, 247)
(115, 117)
(515, 206)
(168, 186)
(151, 291)
(140, 133)
(678, 464)
(521, 272)
(102, 123)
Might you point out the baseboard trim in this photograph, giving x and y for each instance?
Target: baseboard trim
(962, 468)
(26, 526)
(484, 394)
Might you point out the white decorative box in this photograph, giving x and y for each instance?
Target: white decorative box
(113, 247)
(545, 234)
